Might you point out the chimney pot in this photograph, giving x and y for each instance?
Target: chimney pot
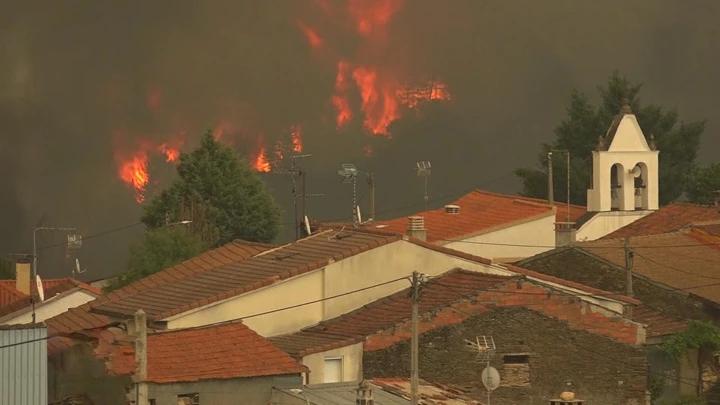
(564, 234)
(452, 209)
(22, 275)
(416, 228)
(364, 394)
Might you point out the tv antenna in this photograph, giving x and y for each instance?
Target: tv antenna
(77, 269)
(349, 175)
(294, 172)
(423, 170)
(486, 349)
(74, 242)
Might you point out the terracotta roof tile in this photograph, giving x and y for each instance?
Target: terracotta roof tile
(385, 313)
(659, 324)
(428, 393)
(216, 352)
(669, 218)
(55, 287)
(685, 260)
(576, 211)
(222, 274)
(480, 211)
(8, 293)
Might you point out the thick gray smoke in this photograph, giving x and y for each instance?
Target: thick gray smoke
(74, 72)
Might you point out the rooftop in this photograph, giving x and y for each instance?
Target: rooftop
(386, 312)
(51, 289)
(480, 212)
(10, 294)
(222, 351)
(224, 273)
(669, 218)
(686, 260)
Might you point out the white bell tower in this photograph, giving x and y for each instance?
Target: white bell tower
(625, 168)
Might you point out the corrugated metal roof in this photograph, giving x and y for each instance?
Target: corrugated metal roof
(342, 394)
(23, 366)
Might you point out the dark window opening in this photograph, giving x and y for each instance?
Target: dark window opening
(516, 359)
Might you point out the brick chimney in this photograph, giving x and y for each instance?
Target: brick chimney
(564, 234)
(716, 193)
(416, 228)
(22, 275)
(364, 394)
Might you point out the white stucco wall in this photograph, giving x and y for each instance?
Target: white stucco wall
(604, 223)
(51, 307)
(538, 235)
(385, 263)
(352, 363)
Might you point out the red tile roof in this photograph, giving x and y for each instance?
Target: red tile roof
(224, 351)
(669, 218)
(428, 393)
(386, 312)
(686, 260)
(54, 287)
(576, 211)
(480, 212)
(8, 293)
(215, 275)
(658, 324)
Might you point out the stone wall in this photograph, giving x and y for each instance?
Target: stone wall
(536, 357)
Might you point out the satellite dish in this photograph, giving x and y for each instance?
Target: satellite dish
(40, 290)
(490, 378)
(636, 171)
(359, 216)
(78, 270)
(307, 226)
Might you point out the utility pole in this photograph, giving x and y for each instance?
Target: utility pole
(35, 255)
(371, 182)
(551, 188)
(414, 368)
(293, 172)
(628, 267)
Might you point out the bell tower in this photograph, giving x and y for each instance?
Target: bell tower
(625, 167)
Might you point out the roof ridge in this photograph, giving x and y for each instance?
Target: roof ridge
(691, 204)
(676, 232)
(250, 243)
(201, 327)
(533, 203)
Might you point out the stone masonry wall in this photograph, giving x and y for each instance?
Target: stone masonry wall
(543, 340)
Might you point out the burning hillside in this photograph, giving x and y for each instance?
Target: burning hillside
(364, 91)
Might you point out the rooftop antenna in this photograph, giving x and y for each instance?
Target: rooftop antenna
(486, 349)
(349, 176)
(294, 172)
(423, 170)
(40, 289)
(74, 241)
(77, 270)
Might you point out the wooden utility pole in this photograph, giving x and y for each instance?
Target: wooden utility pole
(371, 182)
(414, 375)
(628, 267)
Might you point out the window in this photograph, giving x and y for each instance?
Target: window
(152, 402)
(516, 359)
(333, 369)
(189, 399)
(516, 370)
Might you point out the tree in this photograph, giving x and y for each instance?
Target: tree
(238, 206)
(162, 248)
(703, 181)
(677, 141)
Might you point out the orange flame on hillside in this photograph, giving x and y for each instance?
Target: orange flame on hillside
(296, 138)
(133, 171)
(261, 163)
(311, 35)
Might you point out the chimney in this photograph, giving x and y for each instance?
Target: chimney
(416, 228)
(364, 394)
(452, 209)
(716, 194)
(564, 234)
(22, 275)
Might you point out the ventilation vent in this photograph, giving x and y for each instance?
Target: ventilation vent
(452, 209)
(416, 224)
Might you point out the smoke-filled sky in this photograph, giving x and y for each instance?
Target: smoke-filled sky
(84, 85)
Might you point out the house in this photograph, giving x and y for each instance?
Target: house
(543, 338)
(381, 391)
(23, 361)
(670, 218)
(675, 273)
(214, 364)
(59, 295)
(282, 289)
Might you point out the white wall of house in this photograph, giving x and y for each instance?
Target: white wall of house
(323, 365)
(604, 223)
(538, 235)
(51, 307)
(382, 264)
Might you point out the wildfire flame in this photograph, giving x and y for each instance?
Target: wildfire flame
(296, 138)
(261, 163)
(133, 171)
